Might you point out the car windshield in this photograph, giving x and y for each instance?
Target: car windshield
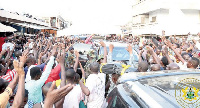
(82, 47)
(120, 53)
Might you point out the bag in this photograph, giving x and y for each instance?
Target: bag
(117, 68)
(82, 105)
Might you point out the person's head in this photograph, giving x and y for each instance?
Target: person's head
(35, 73)
(70, 75)
(115, 78)
(46, 87)
(185, 56)
(44, 58)
(31, 60)
(94, 67)
(77, 78)
(172, 66)
(100, 59)
(2, 69)
(193, 63)
(164, 61)
(158, 51)
(143, 66)
(3, 85)
(3, 62)
(91, 55)
(155, 67)
(71, 49)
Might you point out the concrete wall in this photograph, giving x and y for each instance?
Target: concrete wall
(192, 16)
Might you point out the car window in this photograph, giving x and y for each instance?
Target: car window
(120, 53)
(115, 100)
(117, 103)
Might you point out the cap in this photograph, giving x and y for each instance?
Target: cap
(100, 57)
(71, 48)
(91, 54)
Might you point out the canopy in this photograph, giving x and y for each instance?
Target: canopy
(32, 26)
(90, 29)
(4, 28)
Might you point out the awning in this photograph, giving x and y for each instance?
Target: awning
(32, 26)
(4, 28)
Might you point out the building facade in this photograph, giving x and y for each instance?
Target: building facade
(56, 22)
(175, 17)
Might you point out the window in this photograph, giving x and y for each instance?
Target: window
(117, 103)
(153, 19)
(115, 100)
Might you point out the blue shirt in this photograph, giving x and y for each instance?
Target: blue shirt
(34, 87)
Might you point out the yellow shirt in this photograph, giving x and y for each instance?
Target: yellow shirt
(5, 96)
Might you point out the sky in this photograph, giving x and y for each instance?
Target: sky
(80, 12)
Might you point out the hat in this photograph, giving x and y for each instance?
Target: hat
(71, 48)
(91, 54)
(100, 57)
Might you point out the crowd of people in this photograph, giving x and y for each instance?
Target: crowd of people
(43, 71)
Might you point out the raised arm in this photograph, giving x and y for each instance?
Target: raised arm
(47, 71)
(61, 58)
(5, 96)
(105, 51)
(76, 62)
(140, 56)
(82, 70)
(175, 51)
(130, 50)
(165, 53)
(157, 60)
(54, 96)
(109, 57)
(84, 89)
(19, 67)
(2, 53)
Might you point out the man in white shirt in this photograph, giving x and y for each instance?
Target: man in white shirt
(73, 98)
(95, 87)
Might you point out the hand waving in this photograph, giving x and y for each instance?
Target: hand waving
(54, 95)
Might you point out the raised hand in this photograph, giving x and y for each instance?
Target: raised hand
(54, 95)
(54, 51)
(111, 46)
(102, 44)
(40, 55)
(19, 67)
(129, 49)
(150, 49)
(141, 52)
(3, 52)
(76, 53)
(61, 59)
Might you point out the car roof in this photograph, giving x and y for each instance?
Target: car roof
(135, 76)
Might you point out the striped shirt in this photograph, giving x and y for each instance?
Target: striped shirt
(9, 75)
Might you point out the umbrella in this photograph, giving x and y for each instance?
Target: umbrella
(4, 28)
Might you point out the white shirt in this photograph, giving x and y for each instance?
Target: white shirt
(73, 98)
(28, 76)
(96, 86)
(5, 45)
(198, 45)
(182, 66)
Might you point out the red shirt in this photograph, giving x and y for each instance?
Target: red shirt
(54, 75)
(2, 41)
(9, 75)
